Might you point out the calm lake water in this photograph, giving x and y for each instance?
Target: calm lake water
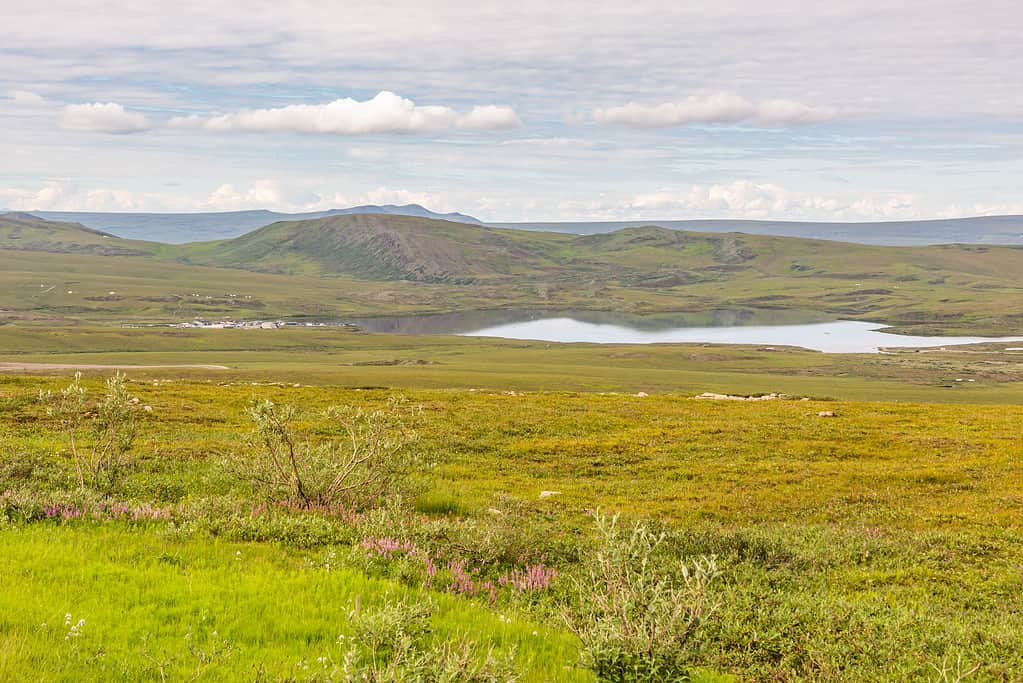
(716, 327)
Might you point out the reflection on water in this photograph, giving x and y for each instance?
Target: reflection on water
(716, 327)
(465, 322)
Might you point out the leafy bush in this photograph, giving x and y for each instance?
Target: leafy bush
(371, 458)
(394, 643)
(100, 433)
(636, 621)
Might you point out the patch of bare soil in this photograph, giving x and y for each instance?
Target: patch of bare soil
(16, 367)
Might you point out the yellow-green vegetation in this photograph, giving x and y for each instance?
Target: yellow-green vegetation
(89, 602)
(974, 374)
(345, 265)
(875, 541)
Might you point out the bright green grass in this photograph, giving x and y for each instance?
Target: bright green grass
(143, 594)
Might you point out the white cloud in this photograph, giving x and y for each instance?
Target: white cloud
(387, 195)
(269, 194)
(490, 117)
(264, 194)
(107, 199)
(68, 197)
(20, 199)
(746, 199)
(714, 108)
(384, 113)
(739, 199)
(26, 98)
(788, 112)
(102, 117)
(321, 201)
(261, 194)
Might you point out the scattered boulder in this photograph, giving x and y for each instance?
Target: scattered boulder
(548, 494)
(730, 397)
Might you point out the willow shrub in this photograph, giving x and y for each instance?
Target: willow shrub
(638, 619)
(365, 457)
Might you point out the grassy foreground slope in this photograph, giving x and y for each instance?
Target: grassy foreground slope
(877, 544)
(159, 608)
(346, 265)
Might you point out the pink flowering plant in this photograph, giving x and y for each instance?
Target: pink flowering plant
(30, 506)
(456, 575)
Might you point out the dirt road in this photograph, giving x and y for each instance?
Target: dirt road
(16, 367)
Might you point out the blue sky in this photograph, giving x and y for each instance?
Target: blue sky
(516, 111)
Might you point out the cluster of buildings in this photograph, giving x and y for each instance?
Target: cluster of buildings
(244, 324)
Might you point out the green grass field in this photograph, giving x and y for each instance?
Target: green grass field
(878, 544)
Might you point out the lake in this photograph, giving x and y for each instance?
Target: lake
(714, 327)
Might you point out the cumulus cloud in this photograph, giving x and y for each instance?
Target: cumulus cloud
(384, 113)
(741, 198)
(102, 117)
(715, 108)
(66, 196)
(746, 199)
(264, 194)
(260, 194)
(21, 199)
(26, 98)
(490, 117)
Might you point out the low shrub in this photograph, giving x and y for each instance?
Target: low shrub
(637, 622)
(99, 432)
(369, 460)
(395, 643)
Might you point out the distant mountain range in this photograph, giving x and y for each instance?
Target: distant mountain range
(178, 228)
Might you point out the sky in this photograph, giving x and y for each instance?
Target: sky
(516, 111)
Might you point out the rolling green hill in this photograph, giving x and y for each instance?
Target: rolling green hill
(380, 247)
(379, 264)
(25, 232)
